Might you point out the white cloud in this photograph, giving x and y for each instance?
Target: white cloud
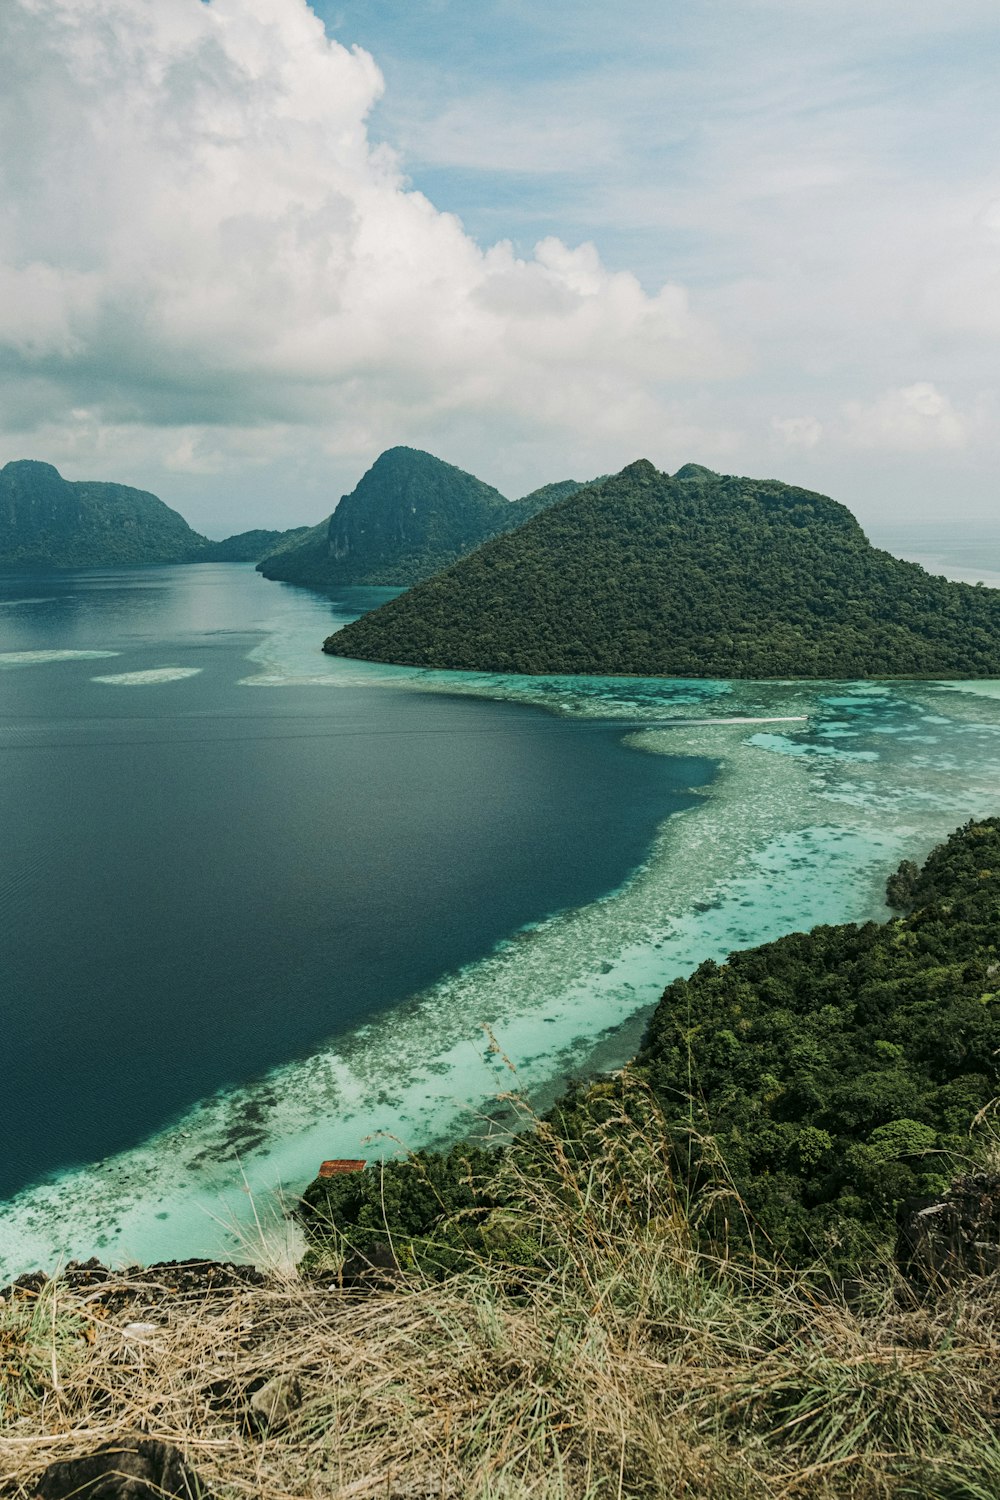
(912, 418)
(215, 285)
(797, 432)
(198, 239)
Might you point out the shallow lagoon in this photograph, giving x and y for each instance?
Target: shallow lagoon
(801, 824)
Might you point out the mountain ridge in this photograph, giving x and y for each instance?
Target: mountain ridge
(410, 515)
(47, 521)
(703, 575)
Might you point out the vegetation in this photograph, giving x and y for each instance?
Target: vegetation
(839, 1071)
(297, 557)
(822, 1079)
(47, 521)
(409, 516)
(623, 1361)
(539, 500)
(593, 1312)
(39, 1335)
(249, 546)
(697, 576)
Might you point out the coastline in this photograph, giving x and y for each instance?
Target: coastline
(803, 823)
(560, 998)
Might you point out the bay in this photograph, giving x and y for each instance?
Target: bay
(213, 680)
(201, 881)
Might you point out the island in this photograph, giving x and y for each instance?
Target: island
(47, 521)
(409, 516)
(803, 1092)
(691, 575)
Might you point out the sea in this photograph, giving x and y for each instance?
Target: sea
(260, 907)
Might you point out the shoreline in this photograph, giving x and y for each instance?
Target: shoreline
(798, 828)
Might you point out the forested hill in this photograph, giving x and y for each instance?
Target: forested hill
(249, 546)
(408, 517)
(48, 521)
(819, 1081)
(699, 575)
(839, 1071)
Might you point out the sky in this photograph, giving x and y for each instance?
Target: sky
(246, 245)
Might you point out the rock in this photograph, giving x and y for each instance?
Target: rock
(135, 1469)
(150, 1287)
(273, 1404)
(375, 1269)
(955, 1235)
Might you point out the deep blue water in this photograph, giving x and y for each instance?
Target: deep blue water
(200, 879)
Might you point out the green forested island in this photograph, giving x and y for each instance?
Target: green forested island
(409, 516)
(698, 575)
(47, 521)
(814, 1083)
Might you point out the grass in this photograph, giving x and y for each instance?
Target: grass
(42, 1339)
(622, 1362)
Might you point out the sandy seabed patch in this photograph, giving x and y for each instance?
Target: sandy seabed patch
(31, 658)
(150, 678)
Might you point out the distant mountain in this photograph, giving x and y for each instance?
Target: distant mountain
(541, 499)
(48, 521)
(699, 575)
(409, 516)
(248, 546)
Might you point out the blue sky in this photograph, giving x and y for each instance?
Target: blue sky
(524, 118)
(537, 240)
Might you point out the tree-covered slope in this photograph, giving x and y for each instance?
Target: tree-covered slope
(839, 1071)
(806, 1088)
(408, 517)
(48, 521)
(530, 505)
(249, 546)
(297, 559)
(699, 575)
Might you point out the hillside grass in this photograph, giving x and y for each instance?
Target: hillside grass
(617, 1359)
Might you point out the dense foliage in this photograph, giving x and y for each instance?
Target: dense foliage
(820, 1080)
(838, 1071)
(248, 546)
(522, 510)
(400, 1201)
(47, 521)
(695, 576)
(409, 516)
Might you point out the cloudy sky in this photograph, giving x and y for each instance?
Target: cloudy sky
(245, 245)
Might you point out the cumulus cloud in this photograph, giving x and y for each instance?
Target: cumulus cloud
(201, 245)
(914, 418)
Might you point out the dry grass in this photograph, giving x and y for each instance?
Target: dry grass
(624, 1363)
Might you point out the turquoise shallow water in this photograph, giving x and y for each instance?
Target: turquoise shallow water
(822, 789)
(200, 882)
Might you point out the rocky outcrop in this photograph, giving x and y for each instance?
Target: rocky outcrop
(132, 1469)
(142, 1289)
(954, 1235)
